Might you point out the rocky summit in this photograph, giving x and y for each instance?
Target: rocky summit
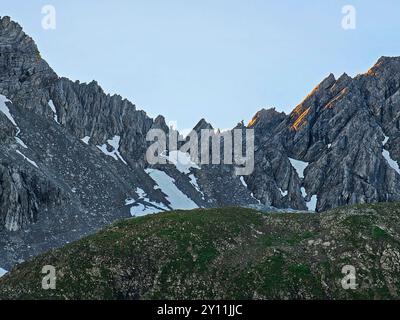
(339, 146)
(73, 158)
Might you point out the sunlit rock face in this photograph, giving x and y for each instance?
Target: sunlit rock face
(339, 130)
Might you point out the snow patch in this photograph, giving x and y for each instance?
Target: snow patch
(2, 272)
(193, 182)
(114, 143)
(53, 108)
(299, 166)
(166, 184)
(21, 143)
(5, 110)
(245, 185)
(141, 193)
(181, 160)
(183, 163)
(385, 140)
(392, 163)
(139, 209)
(27, 159)
(86, 140)
(312, 204)
(283, 193)
(243, 182)
(143, 196)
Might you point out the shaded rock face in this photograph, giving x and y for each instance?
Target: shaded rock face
(24, 78)
(23, 195)
(85, 110)
(72, 158)
(24, 75)
(265, 122)
(7, 130)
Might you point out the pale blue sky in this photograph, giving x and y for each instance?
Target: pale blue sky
(218, 59)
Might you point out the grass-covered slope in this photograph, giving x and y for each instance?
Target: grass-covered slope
(229, 253)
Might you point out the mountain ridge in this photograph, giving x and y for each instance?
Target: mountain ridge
(72, 157)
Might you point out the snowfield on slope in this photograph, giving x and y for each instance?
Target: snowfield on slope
(312, 204)
(53, 109)
(299, 166)
(183, 163)
(4, 109)
(27, 159)
(114, 143)
(139, 209)
(181, 160)
(392, 163)
(177, 199)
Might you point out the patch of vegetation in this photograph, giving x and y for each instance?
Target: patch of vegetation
(379, 233)
(224, 253)
(288, 239)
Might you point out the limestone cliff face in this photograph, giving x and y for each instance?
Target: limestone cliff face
(23, 195)
(72, 158)
(85, 110)
(24, 78)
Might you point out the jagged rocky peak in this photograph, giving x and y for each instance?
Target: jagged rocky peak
(344, 78)
(13, 36)
(382, 81)
(326, 83)
(94, 86)
(385, 63)
(202, 124)
(240, 125)
(25, 77)
(321, 98)
(338, 133)
(160, 123)
(267, 119)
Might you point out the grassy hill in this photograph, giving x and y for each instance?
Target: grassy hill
(228, 253)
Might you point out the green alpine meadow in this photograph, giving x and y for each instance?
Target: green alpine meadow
(226, 253)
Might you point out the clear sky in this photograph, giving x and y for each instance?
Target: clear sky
(221, 60)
